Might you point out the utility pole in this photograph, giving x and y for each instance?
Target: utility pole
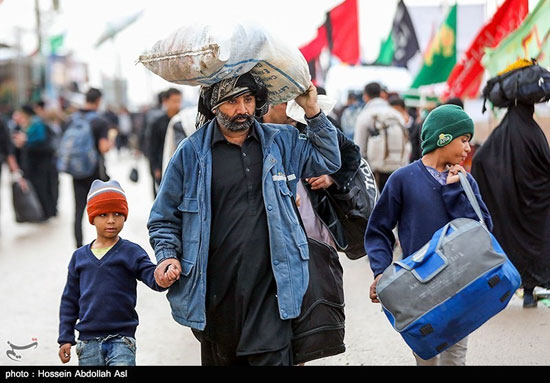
(38, 25)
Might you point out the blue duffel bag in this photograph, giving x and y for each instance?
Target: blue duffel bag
(450, 287)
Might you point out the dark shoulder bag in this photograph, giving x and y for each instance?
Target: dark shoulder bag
(319, 330)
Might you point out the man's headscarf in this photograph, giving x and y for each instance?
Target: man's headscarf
(215, 95)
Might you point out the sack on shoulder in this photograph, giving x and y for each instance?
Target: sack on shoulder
(525, 82)
(206, 54)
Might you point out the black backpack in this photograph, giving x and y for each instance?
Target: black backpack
(526, 85)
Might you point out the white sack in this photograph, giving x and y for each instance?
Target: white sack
(204, 55)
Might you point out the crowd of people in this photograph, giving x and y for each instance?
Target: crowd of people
(226, 236)
(31, 139)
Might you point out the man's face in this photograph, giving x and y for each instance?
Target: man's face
(173, 104)
(277, 115)
(237, 114)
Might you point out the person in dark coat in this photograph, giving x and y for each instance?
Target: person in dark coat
(513, 171)
(38, 153)
(172, 104)
(320, 221)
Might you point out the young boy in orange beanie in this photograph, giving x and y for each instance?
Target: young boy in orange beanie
(100, 292)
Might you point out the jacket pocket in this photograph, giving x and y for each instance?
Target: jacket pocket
(288, 203)
(304, 251)
(190, 233)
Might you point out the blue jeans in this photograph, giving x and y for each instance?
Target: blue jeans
(112, 350)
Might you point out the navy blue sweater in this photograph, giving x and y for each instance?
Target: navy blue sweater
(415, 202)
(101, 293)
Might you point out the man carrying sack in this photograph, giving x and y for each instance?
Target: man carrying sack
(224, 218)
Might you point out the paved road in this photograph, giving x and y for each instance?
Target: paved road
(34, 259)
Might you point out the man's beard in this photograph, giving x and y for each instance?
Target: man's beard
(231, 123)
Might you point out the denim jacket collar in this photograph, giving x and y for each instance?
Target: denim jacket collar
(202, 144)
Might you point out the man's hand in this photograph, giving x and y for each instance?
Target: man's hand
(157, 174)
(372, 294)
(453, 177)
(23, 184)
(104, 145)
(308, 102)
(322, 182)
(19, 139)
(65, 353)
(167, 272)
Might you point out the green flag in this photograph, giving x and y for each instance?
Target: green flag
(530, 40)
(56, 42)
(440, 56)
(385, 57)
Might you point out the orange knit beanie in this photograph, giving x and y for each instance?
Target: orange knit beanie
(106, 197)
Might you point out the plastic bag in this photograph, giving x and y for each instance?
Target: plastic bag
(26, 205)
(206, 54)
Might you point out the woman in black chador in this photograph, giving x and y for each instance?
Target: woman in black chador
(513, 172)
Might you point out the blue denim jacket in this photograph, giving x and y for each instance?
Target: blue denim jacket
(179, 223)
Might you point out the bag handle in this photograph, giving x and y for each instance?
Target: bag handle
(471, 197)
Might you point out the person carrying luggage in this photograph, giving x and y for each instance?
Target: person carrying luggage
(422, 197)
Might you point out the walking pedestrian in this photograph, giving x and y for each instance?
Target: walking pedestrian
(381, 135)
(100, 132)
(422, 197)
(36, 142)
(172, 105)
(100, 292)
(320, 220)
(513, 169)
(7, 155)
(125, 129)
(225, 217)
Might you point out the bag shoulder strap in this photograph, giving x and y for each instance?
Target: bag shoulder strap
(471, 197)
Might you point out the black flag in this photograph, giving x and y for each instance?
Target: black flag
(404, 37)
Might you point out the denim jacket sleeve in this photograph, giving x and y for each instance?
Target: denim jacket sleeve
(319, 153)
(165, 220)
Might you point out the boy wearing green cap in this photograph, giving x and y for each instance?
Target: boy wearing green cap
(422, 197)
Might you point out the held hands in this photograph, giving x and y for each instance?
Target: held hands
(308, 102)
(453, 174)
(167, 272)
(65, 353)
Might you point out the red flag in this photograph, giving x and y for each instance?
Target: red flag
(343, 32)
(340, 34)
(465, 79)
(313, 50)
